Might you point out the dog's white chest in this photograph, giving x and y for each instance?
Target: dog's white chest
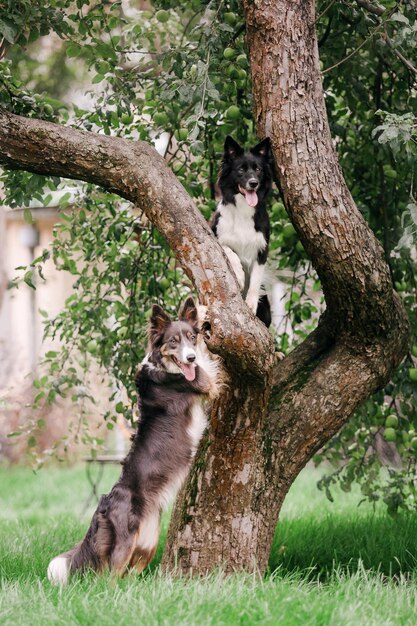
(197, 425)
(236, 229)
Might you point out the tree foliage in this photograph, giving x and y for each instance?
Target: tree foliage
(181, 72)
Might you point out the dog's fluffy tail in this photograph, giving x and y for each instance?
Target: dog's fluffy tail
(92, 553)
(80, 557)
(63, 565)
(59, 570)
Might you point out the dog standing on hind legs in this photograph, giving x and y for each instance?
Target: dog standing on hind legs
(174, 379)
(241, 222)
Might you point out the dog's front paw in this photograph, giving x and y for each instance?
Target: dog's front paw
(252, 302)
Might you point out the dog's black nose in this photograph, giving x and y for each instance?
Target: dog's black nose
(191, 358)
(253, 183)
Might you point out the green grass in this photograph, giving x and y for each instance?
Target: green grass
(333, 564)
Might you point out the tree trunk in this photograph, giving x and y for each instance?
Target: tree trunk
(219, 517)
(273, 416)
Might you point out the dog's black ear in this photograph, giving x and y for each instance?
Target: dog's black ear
(231, 149)
(263, 148)
(188, 312)
(158, 322)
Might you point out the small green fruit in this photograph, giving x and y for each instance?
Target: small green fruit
(182, 134)
(48, 110)
(230, 18)
(288, 231)
(233, 72)
(414, 350)
(400, 286)
(414, 443)
(405, 436)
(389, 171)
(228, 53)
(391, 421)
(164, 284)
(162, 16)
(122, 332)
(412, 373)
(92, 346)
(233, 112)
(242, 61)
(160, 118)
(390, 434)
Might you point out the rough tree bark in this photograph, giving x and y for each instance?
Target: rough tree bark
(273, 416)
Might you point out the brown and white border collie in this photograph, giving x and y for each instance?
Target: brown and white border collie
(174, 379)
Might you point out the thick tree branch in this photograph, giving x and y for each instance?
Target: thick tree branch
(135, 171)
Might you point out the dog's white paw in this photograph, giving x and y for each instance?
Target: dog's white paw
(252, 302)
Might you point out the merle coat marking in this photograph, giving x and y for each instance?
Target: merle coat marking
(174, 379)
(241, 221)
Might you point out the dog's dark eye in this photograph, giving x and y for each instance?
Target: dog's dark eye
(172, 341)
(257, 169)
(192, 337)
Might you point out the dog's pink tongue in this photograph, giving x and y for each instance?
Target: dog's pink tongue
(188, 370)
(250, 197)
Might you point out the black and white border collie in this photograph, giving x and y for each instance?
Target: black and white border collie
(174, 379)
(241, 222)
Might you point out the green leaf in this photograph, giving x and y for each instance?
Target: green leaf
(63, 201)
(98, 78)
(399, 17)
(28, 278)
(8, 30)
